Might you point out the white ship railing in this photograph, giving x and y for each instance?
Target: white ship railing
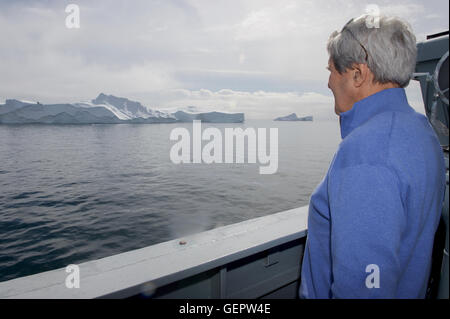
(142, 270)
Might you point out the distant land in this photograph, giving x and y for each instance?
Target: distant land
(293, 117)
(105, 109)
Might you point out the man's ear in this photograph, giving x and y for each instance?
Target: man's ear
(360, 74)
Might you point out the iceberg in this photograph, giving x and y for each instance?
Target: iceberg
(293, 117)
(105, 109)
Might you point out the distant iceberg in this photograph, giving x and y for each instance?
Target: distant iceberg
(293, 117)
(105, 109)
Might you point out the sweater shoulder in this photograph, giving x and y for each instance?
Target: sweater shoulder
(385, 136)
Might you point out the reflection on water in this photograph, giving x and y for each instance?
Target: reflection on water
(73, 193)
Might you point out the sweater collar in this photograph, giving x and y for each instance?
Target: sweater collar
(388, 100)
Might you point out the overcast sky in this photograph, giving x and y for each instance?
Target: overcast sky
(264, 58)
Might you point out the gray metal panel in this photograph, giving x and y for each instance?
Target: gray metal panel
(263, 273)
(428, 55)
(271, 273)
(289, 291)
(202, 286)
(432, 49)
(130, 273)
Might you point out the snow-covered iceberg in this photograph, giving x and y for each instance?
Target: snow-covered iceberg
(293, 117)
(105, 109)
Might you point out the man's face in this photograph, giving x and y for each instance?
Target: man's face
(341, 86)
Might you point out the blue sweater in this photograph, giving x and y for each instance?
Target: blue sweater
(379, 204)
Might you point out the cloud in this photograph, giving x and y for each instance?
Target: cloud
(270, 22)
(408, 11)
(139, 48)
(76, 79)
(255, 105)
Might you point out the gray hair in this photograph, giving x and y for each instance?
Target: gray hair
(391, 48)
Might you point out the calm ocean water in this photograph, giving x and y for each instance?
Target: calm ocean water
(74, 193)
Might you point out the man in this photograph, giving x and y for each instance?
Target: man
(373, 218)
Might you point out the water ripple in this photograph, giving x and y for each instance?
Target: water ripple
(75, 193)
